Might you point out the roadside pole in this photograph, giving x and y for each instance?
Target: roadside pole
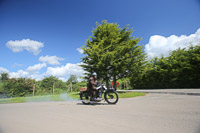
(33, 89)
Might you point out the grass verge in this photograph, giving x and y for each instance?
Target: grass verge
(44, 98)
(130, 94)
(61, 97)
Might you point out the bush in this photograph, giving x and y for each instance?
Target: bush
(18, 87)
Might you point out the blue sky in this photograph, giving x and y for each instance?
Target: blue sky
(40, 37)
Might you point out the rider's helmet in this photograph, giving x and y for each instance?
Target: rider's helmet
(94, 74)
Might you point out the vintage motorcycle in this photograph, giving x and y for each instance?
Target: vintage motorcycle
(103, 93)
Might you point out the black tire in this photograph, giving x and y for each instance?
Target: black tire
(84, 97)
(111, 96)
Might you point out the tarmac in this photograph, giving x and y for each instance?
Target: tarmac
(195, 92)
(160, 111)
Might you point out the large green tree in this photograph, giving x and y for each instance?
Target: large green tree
(112, 52)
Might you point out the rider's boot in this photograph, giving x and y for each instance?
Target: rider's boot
(98, 99)
(92, 98)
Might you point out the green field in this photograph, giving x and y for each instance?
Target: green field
(61, 97)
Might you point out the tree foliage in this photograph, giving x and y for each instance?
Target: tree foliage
(179, 70)
(18, 87)
(4, 77)
(48, 82)
(112, 52)
(72, 79)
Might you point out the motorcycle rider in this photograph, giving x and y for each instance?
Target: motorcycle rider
(93, 85)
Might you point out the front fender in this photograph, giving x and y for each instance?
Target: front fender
(109, 90)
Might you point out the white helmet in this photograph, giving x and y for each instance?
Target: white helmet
(94, 74)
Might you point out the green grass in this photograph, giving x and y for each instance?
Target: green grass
(12, 100)
(130, 94)
(45, 98)
(75, 95)
(61, 97)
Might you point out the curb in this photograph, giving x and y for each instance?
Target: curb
(158, 92)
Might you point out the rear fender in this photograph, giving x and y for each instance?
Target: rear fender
(83, 89)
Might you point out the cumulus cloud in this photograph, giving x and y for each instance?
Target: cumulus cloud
(63, 71)
(19, 74)
(160, 45)
(25, 44)
(52, 60)
(33, 72)
(3, 70)
(37, 77)
(25, 74)
(36, 68)
(80, 50)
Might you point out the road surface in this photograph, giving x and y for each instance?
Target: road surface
(153, 113)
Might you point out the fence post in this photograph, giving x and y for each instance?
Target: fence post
(71, 86)
(53, 87)
(33, 89)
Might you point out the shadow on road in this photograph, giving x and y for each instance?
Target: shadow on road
(94, 104)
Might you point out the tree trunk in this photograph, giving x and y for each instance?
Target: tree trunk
(107, 82)
(114, 84)
(124, 84)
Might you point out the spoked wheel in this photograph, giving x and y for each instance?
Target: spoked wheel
(111, 97)
(84, 97)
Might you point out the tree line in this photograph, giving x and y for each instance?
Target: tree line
(13, 87)
(181, 69)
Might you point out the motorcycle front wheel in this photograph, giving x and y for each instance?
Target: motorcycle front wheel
(84, 96)
(111, 97)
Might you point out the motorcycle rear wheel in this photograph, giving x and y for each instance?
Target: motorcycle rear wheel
(84, 96)
(111, 97)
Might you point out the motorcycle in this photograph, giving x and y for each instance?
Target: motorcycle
(103, 93)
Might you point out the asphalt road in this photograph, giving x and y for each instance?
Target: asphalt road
(153, 113)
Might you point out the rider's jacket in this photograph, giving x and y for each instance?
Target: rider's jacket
(92, 83)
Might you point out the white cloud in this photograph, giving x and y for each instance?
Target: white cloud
(31, 72)
(53, 60)
(3, 70)
(160, 45)
(19, 74)
(74, 69)
(35, 68)
(37, 77)
(63, 71)
(80, 50)
(25, 44)
(57, 71)
(25, 74)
